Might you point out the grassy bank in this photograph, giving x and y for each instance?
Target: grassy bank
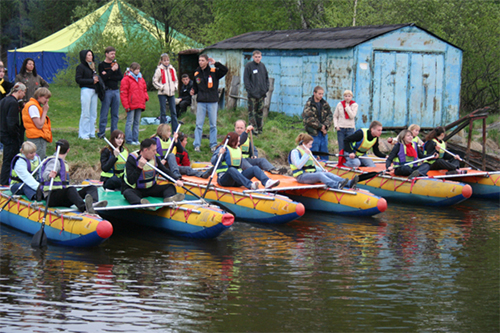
(274, 144)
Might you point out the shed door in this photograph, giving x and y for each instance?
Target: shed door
(407, 88)
(290, 96)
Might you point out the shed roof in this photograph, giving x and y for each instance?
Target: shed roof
(325, 38)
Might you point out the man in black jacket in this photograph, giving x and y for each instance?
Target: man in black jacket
(111, 75)
(11, 130)
(256, 82)
(206, 86)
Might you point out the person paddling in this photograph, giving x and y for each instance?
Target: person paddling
(304, 169)
(434, 143)
(112, 164)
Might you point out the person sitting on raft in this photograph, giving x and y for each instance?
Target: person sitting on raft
(357, 144)
(229, 171)
(62, 195)
(434, 143)
(140, 179)
(21, 169)
(182, 159)
(415, 130)
(112, 164)
(406, 150)
(163, 141)
(304, 168)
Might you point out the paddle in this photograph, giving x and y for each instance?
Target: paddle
(172, 143)
(156, 169)
(214, 170)
(40, 238)
(13, 194)
(251, 145)
(370, 175)
(449, 152)
(329, 154)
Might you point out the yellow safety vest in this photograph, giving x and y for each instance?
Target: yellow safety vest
(361, 147)
(235, 156)
(308, 167)
(119, 166)
(148, 175)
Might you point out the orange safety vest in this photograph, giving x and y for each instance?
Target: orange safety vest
(33, 132)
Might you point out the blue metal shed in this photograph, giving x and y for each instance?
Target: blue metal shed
(399, 74)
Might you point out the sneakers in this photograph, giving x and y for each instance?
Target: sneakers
(414, 174)
(213, 149)
(343, 184)
(207, 173)
(176, 197)
(354, 182)
(102, 203)
(271, 183)
(146, 202)
(197, 149)
(462, 172)
(89, 204)
(254, 186)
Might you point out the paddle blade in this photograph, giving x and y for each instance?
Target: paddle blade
(367, 176)
(39, 239)
(321, 153)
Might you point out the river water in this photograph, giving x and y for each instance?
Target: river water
(410, 269)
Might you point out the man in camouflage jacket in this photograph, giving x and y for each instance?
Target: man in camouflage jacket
(318, 118)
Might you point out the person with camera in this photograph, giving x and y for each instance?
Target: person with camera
(111, 75)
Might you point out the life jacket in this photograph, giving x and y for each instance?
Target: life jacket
(32, 165)
(361, 147)
(32, 132)
(235, 156)
(119, 166)
(245, 148)
(402, 155)
(308, 167)
(441, 152)
(148, 175)
(61, 179)
(162, 147)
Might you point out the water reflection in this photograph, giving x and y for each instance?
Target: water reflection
(408, 269)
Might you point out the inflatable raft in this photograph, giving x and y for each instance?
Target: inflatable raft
(63, 228)
(421, 191)
(185, 219)
(319, 197)
(249, 207)
(485, 185)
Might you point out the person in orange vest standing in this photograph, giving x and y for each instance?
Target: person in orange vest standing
(36, 122)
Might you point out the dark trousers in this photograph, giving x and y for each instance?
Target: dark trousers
(66, 197)
(442, 164)
(10, 149)
(26, 190)
(408, 169)
(183, 105)
(255, 114)
(113, 183)
(134, 195)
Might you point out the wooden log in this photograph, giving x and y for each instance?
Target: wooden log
(232, 99)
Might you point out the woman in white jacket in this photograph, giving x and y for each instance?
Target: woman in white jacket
(165, 80)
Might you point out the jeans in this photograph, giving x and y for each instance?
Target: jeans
(88, 98)
(343, 133)
(262, 163)
(356, 162)
(232, 177)
(329, 179)
(111, 98)
(172, 165)
(132, 126)
(320, 143)
(202, 110)
(163, 110)
(26, 190)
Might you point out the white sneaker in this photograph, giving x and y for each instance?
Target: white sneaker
(272, 183)
(197, 149)
(254, 186)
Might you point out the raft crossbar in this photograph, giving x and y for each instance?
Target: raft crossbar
(164, 204)
(278, 189)
(243, 194)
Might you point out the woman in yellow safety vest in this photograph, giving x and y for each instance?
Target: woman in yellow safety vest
(229, 171)
(434, 143)
(304, 168)
(112, 164)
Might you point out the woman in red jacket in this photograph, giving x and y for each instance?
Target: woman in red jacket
(134, 95)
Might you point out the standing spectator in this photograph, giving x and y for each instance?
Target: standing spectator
(344, 118)
(184, 99)
(206, 86)
(165, 80)
(28, 76)
(318, 118)
(36, 122)
(134, 95)
(87, 78)
(11, 130)
(111, 75)
(256, 82)
(5, 84)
